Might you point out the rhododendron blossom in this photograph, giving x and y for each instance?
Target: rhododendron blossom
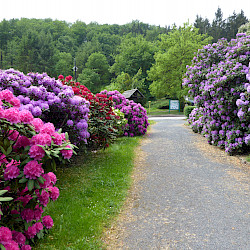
(33, 170)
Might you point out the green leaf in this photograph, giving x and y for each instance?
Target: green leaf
(23, 180)
(6, 198)
(30, 184)
(41, 179)
(3, 192)
(37, 186)
(66, 135)
(9, 149)
(2, 247)
(3, 150)
(40, 234)
(20, 175)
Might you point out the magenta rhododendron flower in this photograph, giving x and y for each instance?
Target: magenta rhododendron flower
(48, 128)
(5, 234)
(12, 115)
(31, 232)
(22, 141)
(13, 135)
(25, 199)
(37, 123)
(33, 170)
(52, 177)
(27, 214)
(19, 238)
(57, 138)
(11, 245)
(3, 159)
(26, 247)
(11, 171)
(41, 139)
(38, 213)
(48, 222)
(67, 153)
(43, 198)
(53, 193)
(25, 116)
(47, 181)
(36, 152)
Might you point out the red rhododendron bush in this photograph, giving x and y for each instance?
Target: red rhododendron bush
(28, 149)
(104, 122)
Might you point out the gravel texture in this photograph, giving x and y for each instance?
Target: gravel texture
(189, 195)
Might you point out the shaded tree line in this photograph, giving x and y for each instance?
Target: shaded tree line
(135, 55)
(220, 27)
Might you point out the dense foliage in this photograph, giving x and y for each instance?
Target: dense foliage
(218, 79)
(50, 100)
(221, 27)
(28, 148)
(176, 50)
(104, 54)
(135, 113)
(104, 123)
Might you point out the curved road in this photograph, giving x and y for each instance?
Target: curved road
(189, 198)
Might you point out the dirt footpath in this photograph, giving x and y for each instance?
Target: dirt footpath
(186, 194)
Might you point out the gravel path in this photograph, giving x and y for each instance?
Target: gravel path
(189, 197)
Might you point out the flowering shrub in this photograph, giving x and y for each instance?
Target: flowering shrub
(135, 113)
(104, 123)
(28, 147)
(49, 100)
(219, 82)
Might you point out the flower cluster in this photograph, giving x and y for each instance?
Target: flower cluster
(28, 147)
(104, 123)
(219, 82)
(49, 100)
(135, 113)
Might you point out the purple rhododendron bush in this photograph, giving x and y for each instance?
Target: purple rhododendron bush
(28, 147)
(135, 113)
(49, 100)
(219, 81)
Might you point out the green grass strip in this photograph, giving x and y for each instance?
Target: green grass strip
(91, 194)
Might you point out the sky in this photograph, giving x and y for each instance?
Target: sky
(153, 12)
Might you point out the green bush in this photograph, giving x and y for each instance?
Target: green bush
(188, 110)
(162, 104)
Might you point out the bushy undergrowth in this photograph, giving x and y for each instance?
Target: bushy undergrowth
(28, 148)
(187, 110)
(218, 79)
(135, 113)
(105, 123)
(49, 100)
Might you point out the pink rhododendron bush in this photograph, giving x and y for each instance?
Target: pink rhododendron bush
(135, 113)
(28, 149)
(219, 81)
(50, 100)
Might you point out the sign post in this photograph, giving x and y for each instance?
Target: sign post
(174, 105)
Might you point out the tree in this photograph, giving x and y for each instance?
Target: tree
(90, 79)
(176, 51)
(202, 24)
(95, 75)
(245, 28)
(125, 82)
(218, 26)
(64, 63)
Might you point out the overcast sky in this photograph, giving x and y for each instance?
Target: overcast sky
(155, 12)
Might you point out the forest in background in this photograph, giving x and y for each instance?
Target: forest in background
(134, 55)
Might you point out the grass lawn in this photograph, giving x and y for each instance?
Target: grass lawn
(92, 191)
(163, 112)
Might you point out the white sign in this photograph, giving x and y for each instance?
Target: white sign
(174, 104)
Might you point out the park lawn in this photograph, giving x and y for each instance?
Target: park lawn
(92, 191)
(160, 112)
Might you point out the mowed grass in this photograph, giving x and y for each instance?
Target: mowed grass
(92, 191)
